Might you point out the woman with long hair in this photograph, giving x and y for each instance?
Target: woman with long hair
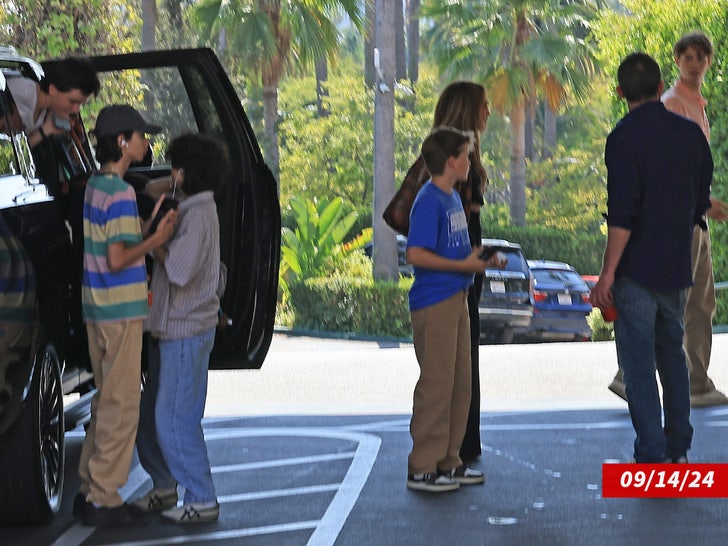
(464, 105)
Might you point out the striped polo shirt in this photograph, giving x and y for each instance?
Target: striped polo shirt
(110, 215)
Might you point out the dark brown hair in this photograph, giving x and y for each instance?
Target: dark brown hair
(459, 106)
(697, 40)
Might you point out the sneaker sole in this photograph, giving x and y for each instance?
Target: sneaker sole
(470, 481)
(201, 519)
(430, 488)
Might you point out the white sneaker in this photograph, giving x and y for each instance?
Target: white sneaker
(464, 475)
(193, 513)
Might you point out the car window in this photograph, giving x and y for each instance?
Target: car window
(9, 124)
(557, 275)
(516, 261)
(8, 165)
(161, 94)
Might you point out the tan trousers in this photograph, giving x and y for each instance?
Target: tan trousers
(699, 311)
(441, 335)
(115, 349)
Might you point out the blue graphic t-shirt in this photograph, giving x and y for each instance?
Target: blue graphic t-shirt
(438, 223)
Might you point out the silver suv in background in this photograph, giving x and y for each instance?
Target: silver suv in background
(506, 303)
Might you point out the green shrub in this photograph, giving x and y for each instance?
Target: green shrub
(601, 331)
(352, 305)
(583, 251)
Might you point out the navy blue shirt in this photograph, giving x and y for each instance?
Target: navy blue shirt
(659, 170)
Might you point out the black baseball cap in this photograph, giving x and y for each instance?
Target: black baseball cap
(121, 118)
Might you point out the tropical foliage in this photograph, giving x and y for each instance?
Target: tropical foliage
(321, 226)
(523, 50)
(266, 38)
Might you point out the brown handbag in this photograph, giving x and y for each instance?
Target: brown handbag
(397, 212)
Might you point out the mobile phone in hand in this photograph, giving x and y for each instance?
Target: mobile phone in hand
(61, 123)
(487, 252)
(167, 205)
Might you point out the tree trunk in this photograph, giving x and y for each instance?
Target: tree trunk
(384, 255)
(322, 76)
(518, 165)
(549, 131)
(413, 40)
(370, 12)
(149, 43)
(149, 25)
(530, 149)
(400, 51)
(270, 119)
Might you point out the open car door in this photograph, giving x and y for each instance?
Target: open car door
(187, 91)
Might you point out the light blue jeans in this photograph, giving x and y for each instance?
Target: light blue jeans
(648, 335)
(170, 440)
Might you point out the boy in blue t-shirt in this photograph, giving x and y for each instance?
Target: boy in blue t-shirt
(439, 248)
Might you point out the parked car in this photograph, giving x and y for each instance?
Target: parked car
(505, 303)
(405, 269)
(590, 281)
(561, 303)
(43, 347)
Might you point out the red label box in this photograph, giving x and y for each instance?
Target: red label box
(665, 480)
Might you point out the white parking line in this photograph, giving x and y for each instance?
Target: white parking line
(327, 529)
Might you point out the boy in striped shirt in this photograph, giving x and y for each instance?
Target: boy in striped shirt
(114, 297)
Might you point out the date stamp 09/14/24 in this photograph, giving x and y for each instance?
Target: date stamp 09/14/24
(686, 480)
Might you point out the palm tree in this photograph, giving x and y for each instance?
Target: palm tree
(522, 50)
(273, 36)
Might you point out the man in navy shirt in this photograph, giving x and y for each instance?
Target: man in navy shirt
(659, 170)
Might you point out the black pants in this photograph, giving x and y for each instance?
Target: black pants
(470, 448)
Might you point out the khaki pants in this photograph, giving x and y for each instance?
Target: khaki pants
(699, 312)
(441, 335)
(115, 349)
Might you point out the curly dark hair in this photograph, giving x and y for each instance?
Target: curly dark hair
(204, 159)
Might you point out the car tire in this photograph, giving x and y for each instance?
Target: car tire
(32, 449)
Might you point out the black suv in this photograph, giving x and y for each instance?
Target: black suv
(506, 302)
(43, 348)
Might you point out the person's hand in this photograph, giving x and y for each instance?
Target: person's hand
(497, 261)
(49, 126)
(166, 226)
(169, 220)
(601, 294)
(718, 210)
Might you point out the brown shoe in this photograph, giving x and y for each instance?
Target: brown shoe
(710, 398)
(617, 387)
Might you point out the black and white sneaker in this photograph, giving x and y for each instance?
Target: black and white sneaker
(431, 482)
(464, 475)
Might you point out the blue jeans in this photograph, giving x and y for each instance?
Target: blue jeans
(649, 334)
(170, 441)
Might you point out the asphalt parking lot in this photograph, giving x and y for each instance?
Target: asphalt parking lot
(331, 476)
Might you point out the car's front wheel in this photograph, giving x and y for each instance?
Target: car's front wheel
(31, 452)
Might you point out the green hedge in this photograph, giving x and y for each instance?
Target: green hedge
(347, 305)
(582, 251)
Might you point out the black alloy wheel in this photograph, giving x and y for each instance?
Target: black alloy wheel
(33, 449)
